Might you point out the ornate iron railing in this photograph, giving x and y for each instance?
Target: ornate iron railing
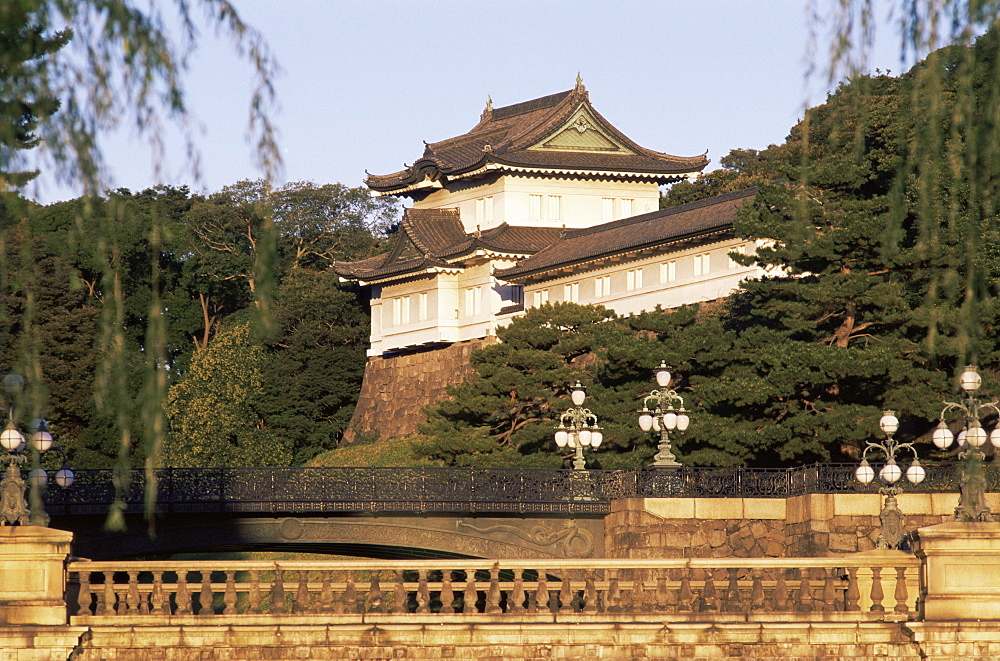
(148, 592)
(319, 490)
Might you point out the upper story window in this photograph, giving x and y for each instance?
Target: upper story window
(400, 310)
(626, 208)
(633, 279)
(422, 306)
(534, 207)
(555, 207)
(702, 264)
(602, 286)
(668, 271)
(484, 210)
(739, 250)
(571, 292)
(608, 209)
(541, 297)
(473, 301)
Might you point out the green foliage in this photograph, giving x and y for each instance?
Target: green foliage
(391, 452)
(213, 411)
(503, 414)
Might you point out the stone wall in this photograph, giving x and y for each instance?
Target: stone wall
(580, 638)
(802, 526)
(397, 388)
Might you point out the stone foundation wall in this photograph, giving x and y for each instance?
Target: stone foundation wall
(803, 526)
(397, 388)
(582, 639)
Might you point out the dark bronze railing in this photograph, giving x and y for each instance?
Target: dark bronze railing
(499, 490)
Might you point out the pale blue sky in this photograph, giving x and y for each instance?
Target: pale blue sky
(364, 82)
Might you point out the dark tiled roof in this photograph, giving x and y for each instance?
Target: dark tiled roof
(428, 237)
(504, 135)
(637, 232)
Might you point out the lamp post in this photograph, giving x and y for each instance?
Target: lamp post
(663, 418)
(13, 507)
(972, 482)
(891, 516)
(578, 427)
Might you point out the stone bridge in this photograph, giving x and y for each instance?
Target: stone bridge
(472, 513)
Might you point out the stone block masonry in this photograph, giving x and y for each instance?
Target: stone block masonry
(397, 388)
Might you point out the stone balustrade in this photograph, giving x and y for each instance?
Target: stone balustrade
(878, 587)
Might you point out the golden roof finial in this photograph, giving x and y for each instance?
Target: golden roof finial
(579, 80)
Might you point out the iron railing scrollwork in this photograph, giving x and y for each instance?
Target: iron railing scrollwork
(482, 490)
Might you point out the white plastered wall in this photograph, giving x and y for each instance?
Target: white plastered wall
(581, 201)
(656, 288)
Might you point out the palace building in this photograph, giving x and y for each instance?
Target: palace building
(541, 201)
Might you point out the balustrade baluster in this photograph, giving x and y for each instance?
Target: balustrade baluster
(121, 594)
(301, 602)
(733, 602)
(183, 596)
(206, 596)
(470, 595)
(159, 599)
(876, 593)
(253, 597)
(375, 601)
(132, 595)
(106, 599)
(517, 595)
(565, 593)
(756, 592)
(780, 592)
(662, 594)
(493, 594)
(648, 597)
(589, 592)
(685, 598)
(278, 592)
(853, 593)
(229, 597)
(709, 597)
(829, 590)
(399, 594)
(541, 593)
(423, 592)
(447, 593)
(84, 597)
(804, 593)
(901, 593)
(326, 592)
(613, 597)
(350, 594)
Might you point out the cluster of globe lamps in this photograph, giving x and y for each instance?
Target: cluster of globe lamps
(578, 428)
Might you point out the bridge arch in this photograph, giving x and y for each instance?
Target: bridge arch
(389, 537)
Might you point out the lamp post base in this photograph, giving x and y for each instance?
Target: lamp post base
(892, 532)
(665, 457)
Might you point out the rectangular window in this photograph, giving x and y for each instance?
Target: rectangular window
(541, 297)
(488, 211)
(668, 271)
(608, 209)
(602, 286)
(626, 208)
(396, 311)
(422, 306)
(480, 210)
(555, 207)
(473, 301)
(404, 317)
(534, 207)
(571, 292)
(702, 265)
(739, 250)
(633, 280)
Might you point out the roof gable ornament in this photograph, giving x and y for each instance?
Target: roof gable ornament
(488, 110)
(581, 132)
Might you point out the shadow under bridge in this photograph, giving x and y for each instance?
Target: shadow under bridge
(370, 512)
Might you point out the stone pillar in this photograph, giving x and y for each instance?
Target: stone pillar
(961, 571)
(33, 575)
